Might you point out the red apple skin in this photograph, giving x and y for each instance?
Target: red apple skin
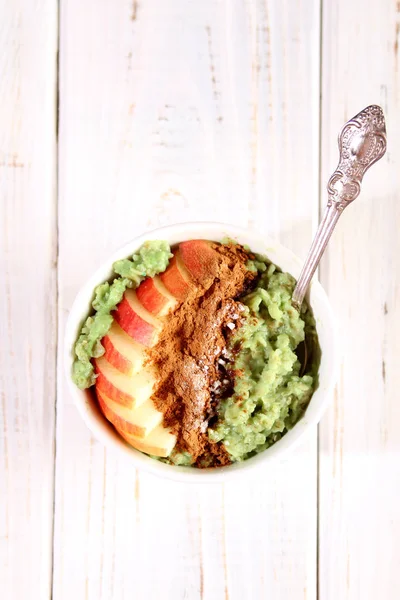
(176, 280)
(115, 358)
(122, 352)
(119, 423)
(108, 389)
(152, 298)
(122, 389)
(133, 324)
(199, 258)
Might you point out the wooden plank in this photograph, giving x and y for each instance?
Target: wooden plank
(170, 112)
(28, 258)
(359, 475)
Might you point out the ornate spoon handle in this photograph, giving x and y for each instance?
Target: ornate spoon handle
(362, 142)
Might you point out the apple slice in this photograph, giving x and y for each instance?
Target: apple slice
(122, 352)
(135, 320)
(128, 391)
(176, 278)
(199, 258)
(138, 421)
(154, 296)
(159, 442)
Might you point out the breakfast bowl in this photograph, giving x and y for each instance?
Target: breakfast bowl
(286, 261)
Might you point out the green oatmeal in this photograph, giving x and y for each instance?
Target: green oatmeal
(269, 395)
(152, 258)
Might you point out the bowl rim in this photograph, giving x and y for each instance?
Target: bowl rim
(103, 431)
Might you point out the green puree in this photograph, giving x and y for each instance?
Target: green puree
(269, 395)
(152, 258)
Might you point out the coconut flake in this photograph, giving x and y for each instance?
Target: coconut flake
(203, 426)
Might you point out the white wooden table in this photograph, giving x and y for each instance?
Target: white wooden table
(117, 116)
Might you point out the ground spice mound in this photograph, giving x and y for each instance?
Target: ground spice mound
(189, 347)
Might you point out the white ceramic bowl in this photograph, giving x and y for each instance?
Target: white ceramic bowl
(276, 253)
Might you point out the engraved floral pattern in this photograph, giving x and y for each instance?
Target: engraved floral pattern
(362, 142)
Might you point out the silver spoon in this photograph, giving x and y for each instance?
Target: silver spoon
(362, 142)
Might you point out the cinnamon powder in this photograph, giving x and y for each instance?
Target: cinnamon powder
(189, 347)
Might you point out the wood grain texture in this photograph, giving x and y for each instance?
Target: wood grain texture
(186, 111)
(360, 439)
(171, 112)
(28, 255)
